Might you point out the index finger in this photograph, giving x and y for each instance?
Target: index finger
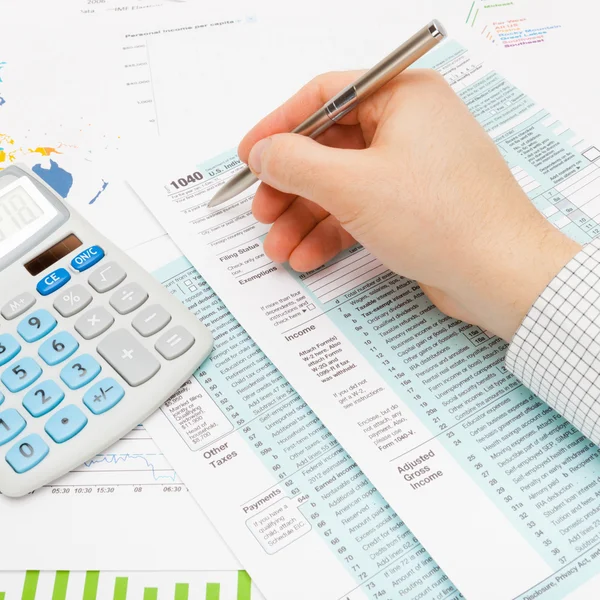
(299, 107)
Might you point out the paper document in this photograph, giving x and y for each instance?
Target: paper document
(263, 467)
(496, 485)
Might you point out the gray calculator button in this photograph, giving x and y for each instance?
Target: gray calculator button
(128, 357)
(107, 277)
(17, 306)
(128, 298)
(175, 342)
(72, 300)
(94, 322)
(151, 320)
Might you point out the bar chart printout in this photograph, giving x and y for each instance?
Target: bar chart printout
(96, 585)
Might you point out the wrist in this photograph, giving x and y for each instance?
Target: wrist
(538, 261)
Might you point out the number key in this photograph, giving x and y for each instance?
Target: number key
(58, 348)
(36, 325)
(80, 371)
(9, 348)
(27, 453)
(43, 398)
(21, 374)
(11, 425)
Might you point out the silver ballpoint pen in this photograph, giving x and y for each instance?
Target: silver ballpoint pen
(348, 99)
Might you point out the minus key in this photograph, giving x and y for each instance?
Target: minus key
(151, 320)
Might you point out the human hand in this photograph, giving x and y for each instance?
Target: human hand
(412, 176)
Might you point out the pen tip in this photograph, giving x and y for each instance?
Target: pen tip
(220, 197)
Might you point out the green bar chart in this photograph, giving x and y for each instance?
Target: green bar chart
(97, 585)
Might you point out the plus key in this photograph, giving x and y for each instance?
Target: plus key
(128, 357)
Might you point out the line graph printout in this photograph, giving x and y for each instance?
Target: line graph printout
(130, 462)
(494, 483)
(130, 493)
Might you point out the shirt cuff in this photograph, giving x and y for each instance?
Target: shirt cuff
(556, 350)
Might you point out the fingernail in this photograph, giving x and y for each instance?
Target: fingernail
(256, 154)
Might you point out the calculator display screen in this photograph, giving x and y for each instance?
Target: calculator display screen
(23, 212)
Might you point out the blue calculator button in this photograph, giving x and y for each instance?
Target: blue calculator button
(52, 282)
(103, 396)
(66, 423)
(9, 348)
(43, 398)
(58, 348)
(1, 397)
(88, 258)
(80, 371)
(27, 453)
(21, 374)
(11, 425)
(36, 325)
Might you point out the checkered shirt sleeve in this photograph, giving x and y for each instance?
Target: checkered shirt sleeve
(556, 350)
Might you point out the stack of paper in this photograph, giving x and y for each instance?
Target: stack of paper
(166, 89)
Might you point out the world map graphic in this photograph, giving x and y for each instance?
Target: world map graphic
(51, 167)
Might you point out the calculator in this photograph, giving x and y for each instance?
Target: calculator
(90, 343)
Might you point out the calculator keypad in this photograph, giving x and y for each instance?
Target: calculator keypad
(66, 423)
(93, 323)
(36, 325)
(65, 414)
(27, 453)
(128, 357)
(11, 425)
(17, 306)
(58, 348)
(21, 374)
(9, 348)
(107, 277)
(72, 300)
(80, 371)
(43, 398)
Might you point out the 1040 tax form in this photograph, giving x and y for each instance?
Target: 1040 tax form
(496, 486)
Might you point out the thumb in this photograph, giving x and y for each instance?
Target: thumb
(298, 165)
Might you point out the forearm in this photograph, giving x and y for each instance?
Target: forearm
(556, 350)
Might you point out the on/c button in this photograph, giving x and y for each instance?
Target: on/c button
(53, 281)
(88, 258)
